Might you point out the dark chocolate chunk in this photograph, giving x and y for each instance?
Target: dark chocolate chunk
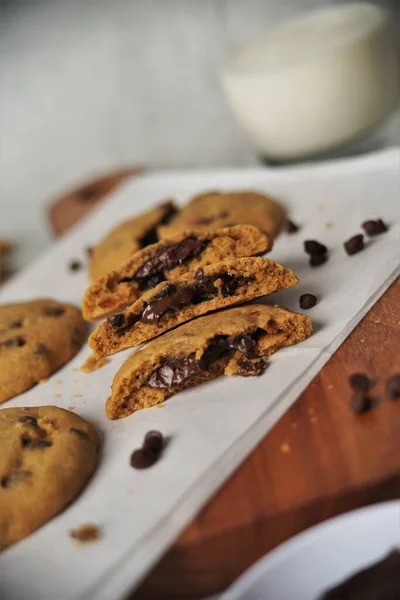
(116, 321)
(40, 350)
(314, 247)
(393, 387)
(28, 442)
(354, 244)
(79, 432)
(121, 323)
(230, 284)
(153, 441)
(376, 227)
(361, 403)
(244, 343)
(15, 324)
(360, 382)
(143, 458)
(251, 368)
(170, 257)
(75, 265)
(307, 301)
(14, 478)
(317, 259)
(291, 227)
(151, 236)
(28, 420)
(53, 311)
(173, 372)
(15, 342)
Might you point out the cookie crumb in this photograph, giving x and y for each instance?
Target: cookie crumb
(314, 419)
(93, 364)
(78, 395)
(377, 321)
(71, 407)
(285, 448)
(328, 225)
(330, 387)
(43, 380)
(161, 405)
(295, 425)
(57, 395)
(89, 532)
(58, 381)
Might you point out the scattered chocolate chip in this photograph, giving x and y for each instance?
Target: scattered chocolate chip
(10, 480)
(28, 420)
(143, 458)
(75, 265)
(16, 342)
(314, 247)
(360, 382)
(79, 432)
(361, 403)
(393, 386)
(53, 311)
(40, 350)
(354, 244)
(15, 324)
(153, 441)
(291, 227)
(307, 301)
(86, 533)
(317, 259)
(376, 227)
(116, 321)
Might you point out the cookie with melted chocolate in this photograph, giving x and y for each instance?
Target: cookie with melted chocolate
(166, 260)
(172, 303)
(236, 341)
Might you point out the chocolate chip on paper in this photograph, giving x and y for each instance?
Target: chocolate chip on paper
(354, 245)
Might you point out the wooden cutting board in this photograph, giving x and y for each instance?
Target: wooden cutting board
(318, 461)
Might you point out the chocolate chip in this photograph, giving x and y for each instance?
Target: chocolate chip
(354, 244)
(89, 192)
(40, 350)
(28, 442)
(14, 478)
(53, 311)
(15, 324)
(153, 441)
(360, 382)
(75, 265)
(361, 403)
(15, 342)
(204, 220)
(143, 458)
(79, 432)
(313, 247)
(393, 387)
(28, 420)
(173, 372)
(307, 301)
(223, 214)
(116, 321)
(376, 227)
(317, 259)
(199, 274)
(251, 368)
(291, 227)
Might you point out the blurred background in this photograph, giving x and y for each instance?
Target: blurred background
(89, 86)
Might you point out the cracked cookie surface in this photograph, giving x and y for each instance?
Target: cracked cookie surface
(47, 456)
(169, 304)
(235, 341)
(166, 260)
(36, 338)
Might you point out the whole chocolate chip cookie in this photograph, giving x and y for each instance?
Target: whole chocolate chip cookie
(47, 455)
(215, 210)
(126, 238)
(169, 304)
(167, 260)
(236, 341)
(36, 338)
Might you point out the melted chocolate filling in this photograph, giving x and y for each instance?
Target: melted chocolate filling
(151, 273)
(151, 236)
(175, 371)
(171, 299)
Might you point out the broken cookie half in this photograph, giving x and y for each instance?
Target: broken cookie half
(236, 341)
(169, 304)
(166, 260)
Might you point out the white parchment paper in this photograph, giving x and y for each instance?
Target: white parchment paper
(212, 427)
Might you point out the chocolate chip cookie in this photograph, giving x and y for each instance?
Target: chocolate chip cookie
(236, 341)
(167, 260)
(47, 455)
(215, 210)
(191, 295)
(36, 338)
(127, 237)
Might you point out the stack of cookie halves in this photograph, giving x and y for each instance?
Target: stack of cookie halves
(156, 278)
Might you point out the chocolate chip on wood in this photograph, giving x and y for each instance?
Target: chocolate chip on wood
(231, 342)
(167, 260)
(194, 294)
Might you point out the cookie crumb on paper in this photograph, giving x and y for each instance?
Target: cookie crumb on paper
(88, 532)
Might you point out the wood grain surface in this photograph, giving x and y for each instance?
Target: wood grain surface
(318, 461)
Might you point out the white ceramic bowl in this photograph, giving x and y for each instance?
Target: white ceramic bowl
(315, 83)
